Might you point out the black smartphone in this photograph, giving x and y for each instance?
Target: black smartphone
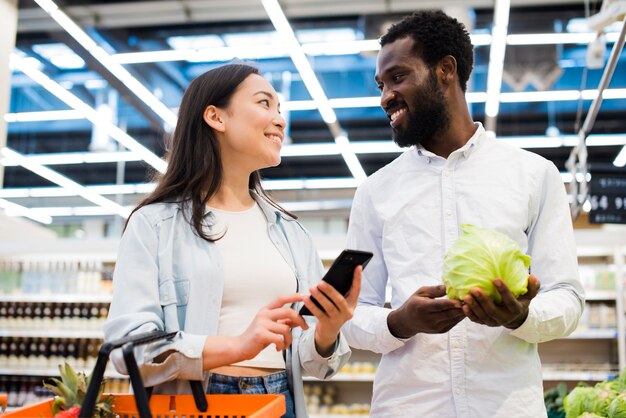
(341, 272)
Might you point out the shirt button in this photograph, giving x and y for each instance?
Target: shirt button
(190, 352)
(457, 391)
(448, 213)
(456, 345)
(446, 173)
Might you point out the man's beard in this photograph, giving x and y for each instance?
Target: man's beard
(429, 116)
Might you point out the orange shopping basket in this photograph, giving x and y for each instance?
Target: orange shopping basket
(143, 405)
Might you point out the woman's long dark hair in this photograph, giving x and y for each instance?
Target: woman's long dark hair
(195, 172)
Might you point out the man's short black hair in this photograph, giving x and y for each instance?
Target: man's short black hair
(436, 35)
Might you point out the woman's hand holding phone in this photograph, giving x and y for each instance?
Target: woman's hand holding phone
(337, 311)
(271, 325)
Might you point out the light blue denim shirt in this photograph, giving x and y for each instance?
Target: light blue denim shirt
(168, 278)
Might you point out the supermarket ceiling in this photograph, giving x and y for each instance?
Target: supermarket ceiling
(96, 84)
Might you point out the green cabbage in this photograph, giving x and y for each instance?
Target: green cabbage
(579, 401)
(605, 394)
(617, 409)
(478, 257)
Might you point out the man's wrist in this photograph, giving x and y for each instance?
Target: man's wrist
(395, 324)
(517, 322)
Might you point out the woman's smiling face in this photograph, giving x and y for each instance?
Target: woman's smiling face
(253, 126)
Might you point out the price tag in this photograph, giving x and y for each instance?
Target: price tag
(608, 199)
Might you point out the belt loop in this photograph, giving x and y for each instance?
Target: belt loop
(267, 384)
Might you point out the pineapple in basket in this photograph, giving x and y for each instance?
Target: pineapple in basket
(70, 392)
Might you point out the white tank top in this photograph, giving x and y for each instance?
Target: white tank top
(255, 274)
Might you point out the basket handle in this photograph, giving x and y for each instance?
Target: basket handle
(141, 396)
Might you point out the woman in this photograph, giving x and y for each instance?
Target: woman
(209, 254)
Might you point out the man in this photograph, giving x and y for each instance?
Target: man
(441, 357)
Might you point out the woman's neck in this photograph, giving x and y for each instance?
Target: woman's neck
(233, 194)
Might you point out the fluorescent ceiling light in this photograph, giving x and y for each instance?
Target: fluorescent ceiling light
(325, 183)
(529, 142)
(340, 47)
(355, 102)
(76, 211)
(59, 55)
(240, 52)
(550, 38)
(350, 158)
(252, 38)
(65, 182)
(294, 206)
(13, 209)
(480, 39)
(376, 147)
(156, 56)
(194, 42)
(327, 35)
(95, 84)
(316, 205)
(103, 189)
(88, 112)
(579, 24)
(607, 94)
(542, 141)
(111, 65)
(43, 116)
(620, 160)
(539, 96)
(367, 101)
(309, 78)
(258, 50)
(496, 59)
(307, 150)
(332, 148)
(63, 158)
(282, 26)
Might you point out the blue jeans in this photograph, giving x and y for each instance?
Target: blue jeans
(275, 383)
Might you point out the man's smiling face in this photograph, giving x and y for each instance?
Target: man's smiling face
(411, 96)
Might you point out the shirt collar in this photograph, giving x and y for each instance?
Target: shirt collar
(473, 143)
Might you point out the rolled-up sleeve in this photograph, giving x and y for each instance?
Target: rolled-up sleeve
(136, 308)
(311, 361)
(555, 311)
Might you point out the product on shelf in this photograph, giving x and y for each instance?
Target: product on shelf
(321, 399)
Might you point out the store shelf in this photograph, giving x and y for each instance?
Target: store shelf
(578, 375)
(56, 298)
(599, 295)
(51, 371)
(42, 333)
(593, 334)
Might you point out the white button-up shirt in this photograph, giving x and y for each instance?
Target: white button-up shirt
(408, 214)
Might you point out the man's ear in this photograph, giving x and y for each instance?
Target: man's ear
(213, 117)
(447, 70)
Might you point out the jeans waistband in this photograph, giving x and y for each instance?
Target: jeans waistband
(252, 380)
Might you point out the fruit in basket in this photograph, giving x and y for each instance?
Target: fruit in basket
(478, 257)
(70, 392)
(73, 412)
